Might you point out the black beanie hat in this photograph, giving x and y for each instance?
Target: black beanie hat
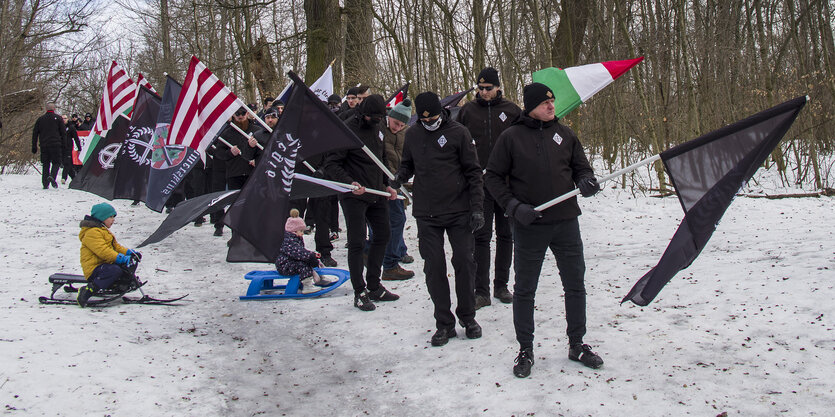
(534, 94)
(352, 91)
(489, 75)
(373, 105)
(427, 104)
(334, 98)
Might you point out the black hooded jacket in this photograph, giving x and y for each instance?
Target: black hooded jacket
(445, 167)
(352, 165)
(486, 120)
(50, 131)
(535, 162)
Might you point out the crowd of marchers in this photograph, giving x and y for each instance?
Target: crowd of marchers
(484, 169)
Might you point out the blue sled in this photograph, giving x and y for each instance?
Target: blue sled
(264, 281)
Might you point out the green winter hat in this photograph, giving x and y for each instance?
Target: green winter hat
(402, 111)
(102, 212)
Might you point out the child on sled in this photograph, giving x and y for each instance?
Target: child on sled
(294, 259)
(101, 255)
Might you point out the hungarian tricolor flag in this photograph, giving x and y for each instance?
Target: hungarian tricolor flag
(573, 86)
(707, 172)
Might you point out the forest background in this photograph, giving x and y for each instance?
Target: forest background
(707, 62)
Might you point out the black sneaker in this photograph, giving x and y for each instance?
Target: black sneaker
(472, 329)
(84, 294)
(441, 336)
(481, 301)
(407, 259)
(503, 295)
(199, 221)
(583, 354)
(382, 294)
(218, 231)
(524, 362)
(329, 262)
(363, 303)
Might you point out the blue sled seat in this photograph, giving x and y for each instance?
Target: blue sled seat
(260, 281)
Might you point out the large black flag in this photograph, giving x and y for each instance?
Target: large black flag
(188, 210)
(169, 163)
(134, 161)
(707, 172)
(98, 174)
(306, 128)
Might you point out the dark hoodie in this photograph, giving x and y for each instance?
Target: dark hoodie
(486, 120)
(534, 162)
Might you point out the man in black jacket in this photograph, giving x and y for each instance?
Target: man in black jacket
(49, 130)
(448, 198)
(536, 160)
(363, 210)
(71, 142)
(487, 117)
(88, 123)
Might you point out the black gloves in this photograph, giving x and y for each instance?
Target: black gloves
(523, 213)
(34, 149)
(588, 186)
(476, 220)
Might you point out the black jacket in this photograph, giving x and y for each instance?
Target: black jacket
(71, 139)
(486, 120)
(50, 130)
(446, 169)
(354, 165)
(236, 165)
(535, 162)
(85, 125)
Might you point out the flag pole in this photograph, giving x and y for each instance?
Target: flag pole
(247, 135)
(615, 174)
(269, 129)
(229, 145)
(385, 170)
(354, 187)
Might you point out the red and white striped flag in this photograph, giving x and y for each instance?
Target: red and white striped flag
(142, 81)
(204, 105)
(118, 96)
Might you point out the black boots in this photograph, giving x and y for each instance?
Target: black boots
(523, 363)
(441, 336)
(583, 354)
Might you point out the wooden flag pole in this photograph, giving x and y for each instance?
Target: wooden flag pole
(615, 174)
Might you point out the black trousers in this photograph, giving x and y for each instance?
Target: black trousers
(334, 219)
(531, 241)
(320, 210)
(359, 215)
(431, 244)
(504, 248)
(51, 161)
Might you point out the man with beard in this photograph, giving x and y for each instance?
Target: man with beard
(361, 209)
(448, 198)
(486, 117)
(534, 161)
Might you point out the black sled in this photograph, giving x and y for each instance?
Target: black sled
(128, 283)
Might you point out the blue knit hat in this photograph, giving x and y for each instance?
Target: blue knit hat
(102, 212)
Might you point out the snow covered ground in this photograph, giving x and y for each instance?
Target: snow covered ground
(747, 329)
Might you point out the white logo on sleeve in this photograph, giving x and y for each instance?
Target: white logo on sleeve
(558, 138)
(502, 117)
(442, 141)
(381, 135)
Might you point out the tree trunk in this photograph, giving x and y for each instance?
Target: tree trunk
(360, 61)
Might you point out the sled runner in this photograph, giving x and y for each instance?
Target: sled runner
(129, 283)
(261, 281)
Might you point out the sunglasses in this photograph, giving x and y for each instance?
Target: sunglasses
(486, 87)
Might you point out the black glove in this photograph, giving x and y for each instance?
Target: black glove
(588, 186)
(476, 220)
(523, 213)
(34, 149)
(396, 184)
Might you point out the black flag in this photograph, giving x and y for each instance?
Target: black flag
(306, 128)
(188, 210)
(169, 163)
(98, 174)
(134, 160)
(707, 172)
